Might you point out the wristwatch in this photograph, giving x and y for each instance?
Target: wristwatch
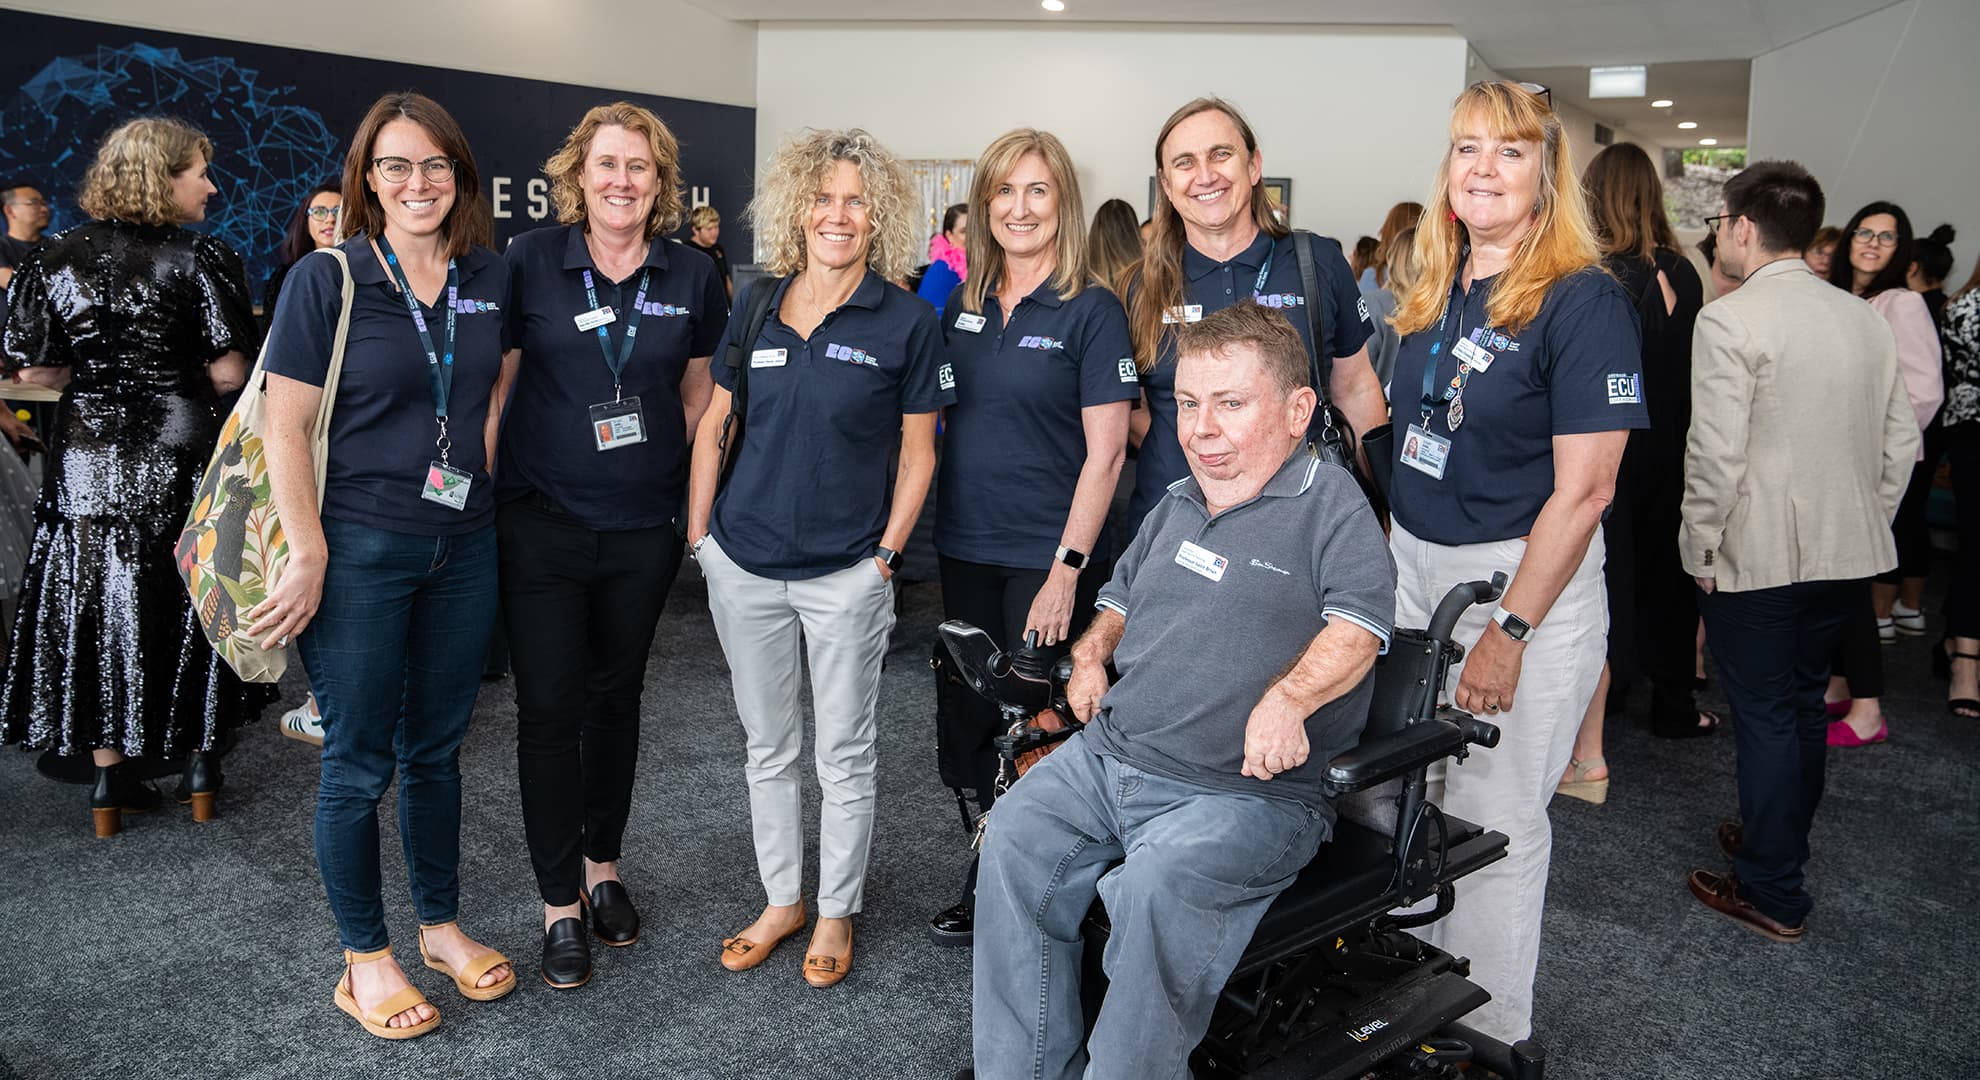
(889, 556)
(1075, 559)
(1515, 627)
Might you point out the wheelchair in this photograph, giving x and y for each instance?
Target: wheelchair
(1333, 986)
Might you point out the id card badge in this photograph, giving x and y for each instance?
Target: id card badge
(595, 318)
(446, 485)
(1471, 353)
(617, 423)
(763, 358)
(1201, 560)
(1426, 451)
(1187, 313)
(969, 324)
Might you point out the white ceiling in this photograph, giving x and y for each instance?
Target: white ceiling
(1508, 34)
(1711, 93)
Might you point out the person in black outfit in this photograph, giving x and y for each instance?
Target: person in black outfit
(616, 325)
(704, 227)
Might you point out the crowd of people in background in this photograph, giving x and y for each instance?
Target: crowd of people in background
(542, 436)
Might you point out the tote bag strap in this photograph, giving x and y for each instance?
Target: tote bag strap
(321, 431)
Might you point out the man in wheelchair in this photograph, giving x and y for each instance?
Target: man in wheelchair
(1243, 621)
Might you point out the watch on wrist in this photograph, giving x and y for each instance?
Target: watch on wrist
(1515, 627)
(889, 556)
(1075, 559)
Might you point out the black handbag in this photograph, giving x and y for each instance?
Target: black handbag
(1332, 437)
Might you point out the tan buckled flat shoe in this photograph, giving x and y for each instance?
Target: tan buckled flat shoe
(740, 953)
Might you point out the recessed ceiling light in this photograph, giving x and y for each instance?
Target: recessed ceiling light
(1708, 142)
(1687, 125)
(1662, 103)
(1052, 5)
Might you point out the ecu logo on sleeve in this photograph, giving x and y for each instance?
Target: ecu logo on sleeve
(1625, 389)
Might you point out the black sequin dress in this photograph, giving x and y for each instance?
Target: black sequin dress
(106, 653)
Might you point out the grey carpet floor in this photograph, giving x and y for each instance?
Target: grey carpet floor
(177, 950)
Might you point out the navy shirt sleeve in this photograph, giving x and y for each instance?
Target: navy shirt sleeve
(928, 383)
(1596, 350)
(305, 323)
(710, 328)
(1106, 353)
(1348, 324)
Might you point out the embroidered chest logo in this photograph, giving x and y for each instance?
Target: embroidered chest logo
(1263, 565)
(665, 311)
(851, 355)
(1280, 300)
(476, 307)
(1038, 341)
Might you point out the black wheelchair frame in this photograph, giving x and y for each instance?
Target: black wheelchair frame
(1333, 985)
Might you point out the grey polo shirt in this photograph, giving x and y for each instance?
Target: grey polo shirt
(1219, 608)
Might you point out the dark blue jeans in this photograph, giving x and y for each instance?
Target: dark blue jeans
(1773, 647)
(394, 656)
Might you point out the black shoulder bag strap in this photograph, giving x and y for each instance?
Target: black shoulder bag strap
(736, 358)
(1332, 442)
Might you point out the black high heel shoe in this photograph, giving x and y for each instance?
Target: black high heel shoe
(200, 783)
(117, 793)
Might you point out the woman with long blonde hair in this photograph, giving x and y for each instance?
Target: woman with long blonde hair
(1518, 379)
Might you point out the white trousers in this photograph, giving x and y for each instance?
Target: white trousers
(1507, 788)
(844, 620)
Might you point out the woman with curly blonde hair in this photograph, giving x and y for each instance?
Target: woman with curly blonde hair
(803, 535)
(146, 323)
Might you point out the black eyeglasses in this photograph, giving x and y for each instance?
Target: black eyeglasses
(398, 170)
(1712, 223)
(1880, 239)
(322, 213)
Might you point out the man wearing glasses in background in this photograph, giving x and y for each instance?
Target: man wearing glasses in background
(1784, 519)
(27, 215)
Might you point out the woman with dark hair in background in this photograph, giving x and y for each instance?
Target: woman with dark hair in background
(390, 592)
(1960, 655)
(1113, 245)
(1931, 262)
(1361, 261)
(143, 324)
(1875, 257)
(948, 259)
(1652, 613)
(312, 226)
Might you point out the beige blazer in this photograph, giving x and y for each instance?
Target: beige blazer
(1802, 436)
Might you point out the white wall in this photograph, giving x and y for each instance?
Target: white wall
(666, 47)
(1882, 108)
(1356, 117)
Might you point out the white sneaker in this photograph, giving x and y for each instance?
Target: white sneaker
(1907, 622)
(304, 724)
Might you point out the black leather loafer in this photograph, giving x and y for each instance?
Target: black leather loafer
(613, 917)
(566, 954)
(954, 927)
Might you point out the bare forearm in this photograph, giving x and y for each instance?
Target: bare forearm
(697, 389)
(911, 479)
(1335, 662)
(53, 378)
(1555, 548)
(228, 372)
(1102, 637)
(292, 482)
(705, 469)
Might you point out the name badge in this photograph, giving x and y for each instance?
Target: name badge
(767, 358)
(617, 423)
(969, 324)
(1426, 451)
(1201, 560)
(592, 320)
(446, 485)
(1469, 352)
(1187, 313)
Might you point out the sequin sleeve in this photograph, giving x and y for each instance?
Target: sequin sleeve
(226, 309)
(35, 337)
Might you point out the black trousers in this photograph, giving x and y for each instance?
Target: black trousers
(1913, 536)
(1773, 647)
(1963, 602)
(1653, 608)
(997, 599)
(1859, 654)
(581, 607)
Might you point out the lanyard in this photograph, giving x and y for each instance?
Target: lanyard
(1454, 393)
(439, 365)
(617, 365)
(1265, 271)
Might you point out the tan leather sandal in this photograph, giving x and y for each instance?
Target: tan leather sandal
(1577, 785)
(378, 1019)
(478, 965)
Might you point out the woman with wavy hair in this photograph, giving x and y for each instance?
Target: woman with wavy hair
(1519, 378)
(801, 539)
(144, 324)
(1113, 245)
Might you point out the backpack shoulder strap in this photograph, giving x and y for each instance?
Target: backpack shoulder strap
(736, 359)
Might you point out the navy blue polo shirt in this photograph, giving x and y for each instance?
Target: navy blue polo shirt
(1214, 286)
(1576, 368)
(810, 490)
(382, 430)
(547, 443)
(1014, 442)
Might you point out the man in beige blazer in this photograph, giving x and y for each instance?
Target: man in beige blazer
(1801, 443)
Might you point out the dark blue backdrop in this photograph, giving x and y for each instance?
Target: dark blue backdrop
(281, 119)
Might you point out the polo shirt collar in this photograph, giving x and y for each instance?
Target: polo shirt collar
(1196, 264)
(872, 290)
(1045, 294)
(368, 269)
(1292, 479)
(577, 254)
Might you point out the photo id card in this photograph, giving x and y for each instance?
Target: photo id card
(1201, 560)
(1188, 313)
(1426, 451)
(446, 485)
(617, 423)
(595, 318)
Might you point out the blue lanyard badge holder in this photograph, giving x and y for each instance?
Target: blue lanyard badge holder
(443, 483)
(1423, 449)
(616, 423)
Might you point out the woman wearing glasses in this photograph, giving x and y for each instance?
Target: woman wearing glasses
(313, 226)
(1519, 378)
(391, 591)
(1872, 261)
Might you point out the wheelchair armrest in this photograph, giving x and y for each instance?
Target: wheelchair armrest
(1377, 760)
